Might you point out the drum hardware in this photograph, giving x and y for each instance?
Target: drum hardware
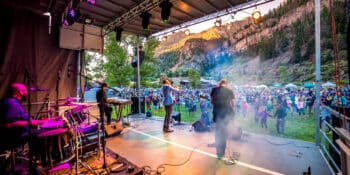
(79, 137)
(57, 151)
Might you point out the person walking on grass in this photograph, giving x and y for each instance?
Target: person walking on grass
(281, 114)
(300, 105)
(263, 116)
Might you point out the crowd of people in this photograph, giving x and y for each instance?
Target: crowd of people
(260, 103)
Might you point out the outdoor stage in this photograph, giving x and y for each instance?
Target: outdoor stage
(145, 144)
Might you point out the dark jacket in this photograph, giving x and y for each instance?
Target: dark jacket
(281, 112)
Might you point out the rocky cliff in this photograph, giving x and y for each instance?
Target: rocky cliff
(225, 50)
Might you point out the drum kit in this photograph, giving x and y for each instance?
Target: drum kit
(68, 137)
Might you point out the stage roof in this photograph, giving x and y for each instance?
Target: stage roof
(125, 13)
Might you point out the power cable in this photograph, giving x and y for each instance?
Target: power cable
(161, 168)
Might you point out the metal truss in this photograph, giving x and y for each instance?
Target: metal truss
(146, 5)
(232, 10)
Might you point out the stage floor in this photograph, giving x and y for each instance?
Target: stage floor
(144, 144)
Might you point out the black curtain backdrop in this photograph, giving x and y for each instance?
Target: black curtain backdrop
(26, 45)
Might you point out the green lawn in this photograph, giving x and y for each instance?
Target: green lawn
(302, 128)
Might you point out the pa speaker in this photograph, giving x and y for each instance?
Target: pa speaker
(114, 128)
(135, 104)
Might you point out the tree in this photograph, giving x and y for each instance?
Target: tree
(149, 68)
(283, 73)
(194, 78)
(298, 41)
(94, 66)
(118, 71)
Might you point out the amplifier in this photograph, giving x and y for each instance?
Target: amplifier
(114, 128)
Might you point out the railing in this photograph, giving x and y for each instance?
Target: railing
(328, 146)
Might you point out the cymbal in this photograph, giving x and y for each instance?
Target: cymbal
(84, 105)
(69, 99)
(68, 104)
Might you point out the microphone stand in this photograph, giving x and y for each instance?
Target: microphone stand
(102, 114)
(57, 90)
(28, 80)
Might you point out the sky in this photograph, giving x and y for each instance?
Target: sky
(264, 9)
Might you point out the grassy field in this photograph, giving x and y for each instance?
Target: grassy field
(302, 128)
(297, 127)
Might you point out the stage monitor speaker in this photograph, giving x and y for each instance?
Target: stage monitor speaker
(114, 128)
(135, 104)
(198, 126)
(176, 116)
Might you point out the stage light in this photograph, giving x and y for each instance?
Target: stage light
(217, 23)
(91, 2)
(88, 20)
(118, 33)
(256, 14)
(187, 32)
(71, 17)
(166, 10)
(145, 20)
(164, 38)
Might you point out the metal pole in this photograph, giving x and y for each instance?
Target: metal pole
(317, 67)
(138, 79)
(348, 35)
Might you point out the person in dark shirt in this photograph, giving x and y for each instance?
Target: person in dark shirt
(222, 99)
(13, 117)
(101, 95)
(281, 114)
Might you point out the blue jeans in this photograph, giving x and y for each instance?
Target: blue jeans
(205, 118)
(301, 111)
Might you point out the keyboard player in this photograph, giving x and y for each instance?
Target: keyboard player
(102, 95)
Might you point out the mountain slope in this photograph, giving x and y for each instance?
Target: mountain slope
(280, 48)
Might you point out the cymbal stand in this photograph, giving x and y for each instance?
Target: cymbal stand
(46, 102)
(28, 80)
(78, 138)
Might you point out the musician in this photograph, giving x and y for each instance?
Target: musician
(168, 103)
(102, 95)
(13, 117)
(223, 102)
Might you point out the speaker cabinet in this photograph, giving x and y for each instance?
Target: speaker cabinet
(135, 104)
(114, 128)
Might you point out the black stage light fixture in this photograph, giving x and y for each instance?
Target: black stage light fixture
(71, 17)
(166, 10)
(141, 56)
(145, 20)
(118, 33)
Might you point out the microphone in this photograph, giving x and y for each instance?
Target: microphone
(69, 67)
(36, 89)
